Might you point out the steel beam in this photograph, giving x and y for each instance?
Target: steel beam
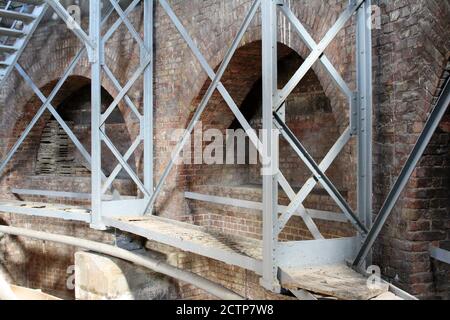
(300, 209)
(308, 187)
(148, 98)
(40, 112)
(270, 166)
(54, 113)
(364, 114)
(312, 45)
(96, 109)
(43, 210)
(313, 253)
(425, 137)
(56, 194)
(124, 17)
(142, 67)
(440, 254)
(119, 167)
(203, 249)
(124, 163)
(118, 22)
(119, 88)
(252, 205)
(29, 31)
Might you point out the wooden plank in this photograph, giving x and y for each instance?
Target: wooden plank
(58, 211)
(337, 281)
(30, 294)
(234, 250)
(387, 296)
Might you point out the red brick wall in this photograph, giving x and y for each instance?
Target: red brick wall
(411, 51)
(40, 264)
(34, 263)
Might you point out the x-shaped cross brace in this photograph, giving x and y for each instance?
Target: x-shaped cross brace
(47, 101)
(122, 95)
(318, 170)
(217, 85)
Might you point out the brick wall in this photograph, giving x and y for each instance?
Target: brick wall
(411, 52)
(40, 264)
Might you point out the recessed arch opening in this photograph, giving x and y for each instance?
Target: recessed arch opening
(50, 161)
(309, 115)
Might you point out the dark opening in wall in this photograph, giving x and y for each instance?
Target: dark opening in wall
(50, 161)
(58, 155)
(309, 115)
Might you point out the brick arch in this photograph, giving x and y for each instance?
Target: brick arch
(180, 77)
(20, 121)
(242, 76)
(24, 162)
(243, 82)
(48, 54)
(408, 79)
(221, 21)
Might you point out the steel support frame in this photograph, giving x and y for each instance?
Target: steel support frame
(96, 104)
(317, 54)
(30, 32)
(439, 254)
(364, 116)
(270, 144)
(273, 100)
(94, 45)
(99, 118)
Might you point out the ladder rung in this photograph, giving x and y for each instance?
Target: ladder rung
(14, 15)
(11, 32)
(4, 48)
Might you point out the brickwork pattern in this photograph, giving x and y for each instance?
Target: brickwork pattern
(411, 53)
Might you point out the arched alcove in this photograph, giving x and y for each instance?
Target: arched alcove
(50, 161)
(309, 115)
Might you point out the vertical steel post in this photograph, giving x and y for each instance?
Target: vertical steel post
(269, 167)
(95, 57)
(364, 111)
(148, 97)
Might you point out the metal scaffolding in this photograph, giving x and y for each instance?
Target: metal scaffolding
(275, 254)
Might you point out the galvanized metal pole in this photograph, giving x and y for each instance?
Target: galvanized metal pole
(148, 97)
(269, 167)
(96, 102)
(364, 114)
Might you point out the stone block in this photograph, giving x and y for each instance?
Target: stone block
(98, 277)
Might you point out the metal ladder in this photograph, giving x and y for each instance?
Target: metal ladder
(18, 21)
